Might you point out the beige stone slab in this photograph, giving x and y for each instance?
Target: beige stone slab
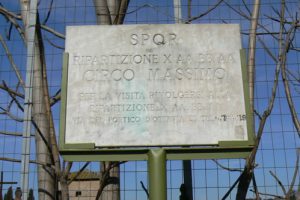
(152, 85)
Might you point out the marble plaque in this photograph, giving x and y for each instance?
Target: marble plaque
(154, 85)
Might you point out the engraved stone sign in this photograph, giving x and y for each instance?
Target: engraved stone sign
(154, 85)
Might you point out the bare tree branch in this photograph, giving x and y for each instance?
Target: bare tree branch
(11, 60)
(3, 87)
(11, 133)
(266, 194)
(10, 115)
(297, 79)
(54, 32)
(121, 12)
(279, 182)
(13, 96)
(105, 177)
(144, 188)
(247, 8)
(283, 49)
(255, 187)
(147, 5)
(205, 13)
(49, 165)
(276, 11)
(295, 49)
(54, 45)
(267, 50)
(290, 190)
(79, 172)
(48, 13)
(242, 14)
(278, 20)
(54, 99)
(286, 83)
(6, 12)
(257, 114)
(263, 33)
(251, 52)
(68, 168)
(227, 168)
(232, 187)
(11, 17)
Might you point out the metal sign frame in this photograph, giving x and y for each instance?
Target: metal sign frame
(224, 149)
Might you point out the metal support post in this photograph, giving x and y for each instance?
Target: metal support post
(30, 32)
(157, 174)
(188, 178)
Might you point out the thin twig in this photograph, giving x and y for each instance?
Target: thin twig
(144, 188)
(6, 12)
(267, 50)
(257, 114)
(247, 8)
(48, 13)
(79, 172)
(105, 177)
(55, 98)
(12, 62)
(290, 190)
(50, 30)
(13, 134)
(205, 13)
(297, 79)
(232, 187)
(242, 14)
(30, 161)
(12, 91)
(147, 5)
(266, 194)
(14, 98)
(54, 45)
(68, 168)
(295, 49)
(8, 33)
(287, 90)
(11, 17)
(10, 115)
(276, 11)
(227, 168)
(278, 20)
(255, 187)
(263, 33)
(279, 182)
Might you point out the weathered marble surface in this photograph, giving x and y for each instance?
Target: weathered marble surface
(148, 85)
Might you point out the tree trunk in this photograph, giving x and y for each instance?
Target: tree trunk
(247, 174)
(46, 180)
(64, 189)
(112, 190)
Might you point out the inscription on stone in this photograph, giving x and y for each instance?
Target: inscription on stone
(154, 85)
